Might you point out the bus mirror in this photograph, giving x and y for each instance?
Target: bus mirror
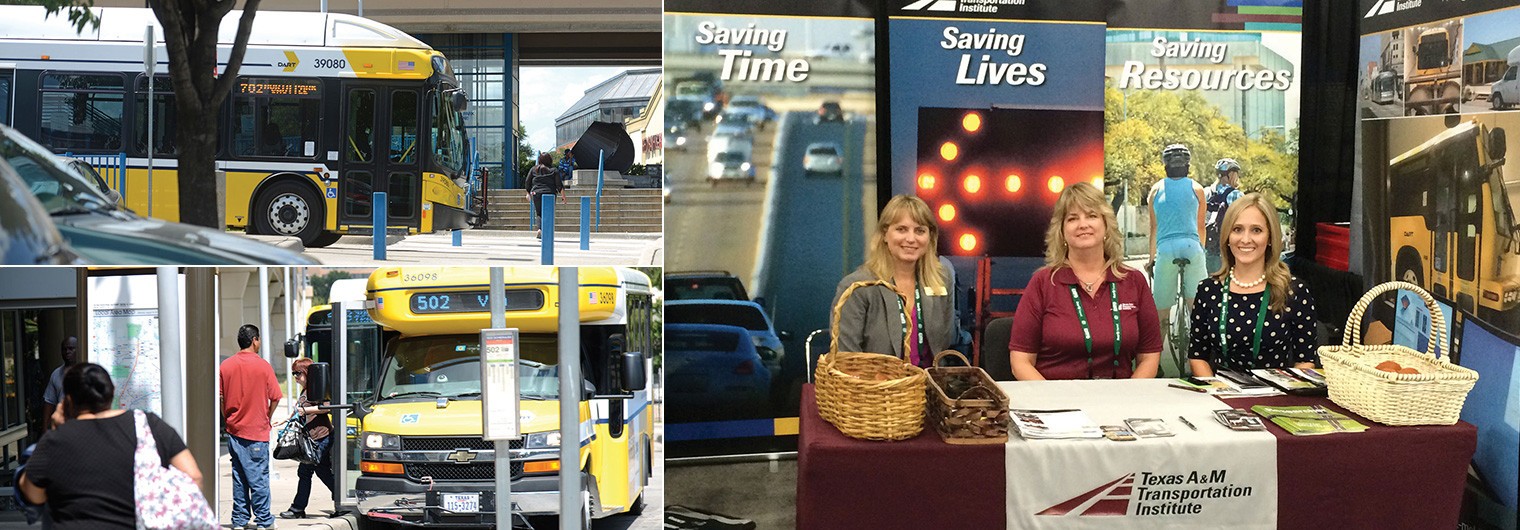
(293, 347)
(461, 102)
(1496, 145)
(316, 382)
(633, 371)
(588, 390)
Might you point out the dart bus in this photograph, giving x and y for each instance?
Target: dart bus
(423, 459)
(327, 109)
(1452, 222)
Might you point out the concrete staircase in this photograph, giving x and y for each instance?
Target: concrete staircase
(623, 210)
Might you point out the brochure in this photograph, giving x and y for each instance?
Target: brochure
(1148, 427)
(1226, 388)
(1313, 374)
(1239, 420)
(1285, 379)
(1118, 433)
(1050, 424)
(1308, 420)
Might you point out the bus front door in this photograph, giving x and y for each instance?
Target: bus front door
(381, 152)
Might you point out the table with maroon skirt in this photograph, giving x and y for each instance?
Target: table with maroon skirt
(1386, 477)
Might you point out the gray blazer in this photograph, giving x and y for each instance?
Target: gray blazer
(871, 322)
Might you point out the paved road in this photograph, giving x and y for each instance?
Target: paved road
(714, 227)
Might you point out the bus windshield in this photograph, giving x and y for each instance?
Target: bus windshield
(448, 134)
(448, 366)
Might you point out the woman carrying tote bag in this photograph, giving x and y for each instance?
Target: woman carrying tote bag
(112, 468)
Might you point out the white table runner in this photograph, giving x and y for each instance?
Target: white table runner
(1209, 478)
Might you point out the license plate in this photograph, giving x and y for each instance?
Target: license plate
(461, 502)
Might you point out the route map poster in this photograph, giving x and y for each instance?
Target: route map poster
(124, 338)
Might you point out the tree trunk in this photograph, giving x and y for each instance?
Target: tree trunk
(197, 167)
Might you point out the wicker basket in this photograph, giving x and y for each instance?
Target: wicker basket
(867, 395)
(978, 415)
(1432, 397)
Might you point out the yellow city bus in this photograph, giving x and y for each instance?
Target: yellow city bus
(327, 109)
(421, 438)
(1452, 222)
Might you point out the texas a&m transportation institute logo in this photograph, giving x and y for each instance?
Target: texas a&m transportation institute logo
(1149, 493)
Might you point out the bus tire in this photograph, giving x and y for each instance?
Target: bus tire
(586, 501)
(288, 208)
(1408, 269)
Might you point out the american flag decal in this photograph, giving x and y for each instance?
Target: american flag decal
(406, 65)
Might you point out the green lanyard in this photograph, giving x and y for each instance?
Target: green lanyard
(1261, 317)
(918, 318)
(1113, 303)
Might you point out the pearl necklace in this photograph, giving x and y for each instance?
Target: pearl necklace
(1250, 284)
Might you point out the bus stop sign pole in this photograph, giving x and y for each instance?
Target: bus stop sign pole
(500, 397)
(569, 400)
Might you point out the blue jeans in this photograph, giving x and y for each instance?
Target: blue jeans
(323, 470)
(250, 482)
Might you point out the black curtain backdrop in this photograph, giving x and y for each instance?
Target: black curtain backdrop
(1327, 158)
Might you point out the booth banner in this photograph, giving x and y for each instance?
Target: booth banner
(1439, 184)
(770, 154)
(1222, 81)
(992, 118)
(1210, 478)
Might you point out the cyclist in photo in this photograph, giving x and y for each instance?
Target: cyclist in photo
(1176, 244)
(1084, 315)
(1217, 199)
(1268, 315)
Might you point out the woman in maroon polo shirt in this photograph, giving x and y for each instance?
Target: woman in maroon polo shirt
(1271, 315)
(1083, 299)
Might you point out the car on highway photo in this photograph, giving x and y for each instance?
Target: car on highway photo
(823, 157)
(742, 313)
(713, 371)
(704, 285)
(829, 111)
(731, 165)
(750, 109)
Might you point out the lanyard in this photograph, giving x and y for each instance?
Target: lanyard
(918, 317)
(1261, 317)
(1113, 303)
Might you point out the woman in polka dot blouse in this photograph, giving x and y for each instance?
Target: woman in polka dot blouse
(1268, 314)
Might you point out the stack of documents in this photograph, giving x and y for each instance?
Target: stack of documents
(1046, 424)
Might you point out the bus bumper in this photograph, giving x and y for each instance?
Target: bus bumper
(450, 218)
(408, 503)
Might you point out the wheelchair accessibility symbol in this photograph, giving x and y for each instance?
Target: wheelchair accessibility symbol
(332, 193)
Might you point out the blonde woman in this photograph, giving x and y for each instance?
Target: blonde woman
(1085, 315)
(918, 305)
(1270, 315)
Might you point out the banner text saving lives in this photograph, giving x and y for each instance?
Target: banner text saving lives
(1156, 77)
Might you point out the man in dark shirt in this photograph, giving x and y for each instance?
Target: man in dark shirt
(250, 395)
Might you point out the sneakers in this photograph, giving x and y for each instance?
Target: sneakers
(293, 514)
(252, 526)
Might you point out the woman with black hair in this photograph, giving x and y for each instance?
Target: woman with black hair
(83, 469)
(544, 179)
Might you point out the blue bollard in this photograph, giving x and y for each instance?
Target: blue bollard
(458, 237)
(547, 243)
(585, 223)
(378, 225)
(601, 161)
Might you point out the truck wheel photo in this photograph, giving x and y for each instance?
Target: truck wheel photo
(1496, 101)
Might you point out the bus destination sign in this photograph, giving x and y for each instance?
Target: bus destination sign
(277, 87)
(475, 301)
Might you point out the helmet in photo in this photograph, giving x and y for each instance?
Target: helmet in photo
(1226, 165)
(1176, 155)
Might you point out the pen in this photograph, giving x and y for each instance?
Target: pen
(1185, 387)
(1187, 423)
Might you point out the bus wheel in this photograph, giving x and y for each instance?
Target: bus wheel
(290, 209)
(585, 502)
(1409, 269)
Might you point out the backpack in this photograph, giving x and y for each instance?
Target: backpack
(1215, 203)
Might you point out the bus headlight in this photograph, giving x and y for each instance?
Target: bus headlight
(543, 440)
(375, 440)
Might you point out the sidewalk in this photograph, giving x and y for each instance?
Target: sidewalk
(282, 488)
